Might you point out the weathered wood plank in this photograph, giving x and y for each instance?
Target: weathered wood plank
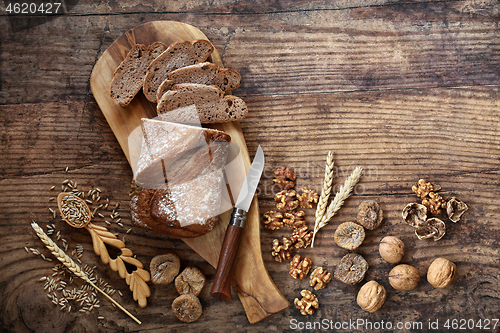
(449, 136)
(277, 53)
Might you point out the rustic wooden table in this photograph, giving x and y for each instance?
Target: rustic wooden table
(405, 89)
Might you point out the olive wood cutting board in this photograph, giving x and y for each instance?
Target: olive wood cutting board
(254, 286)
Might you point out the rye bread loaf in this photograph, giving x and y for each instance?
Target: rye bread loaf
(187, 200)
(211, 104)
(179, 54)
(203, 73)
(129, 76)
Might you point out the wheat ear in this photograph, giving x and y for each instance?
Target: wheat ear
(71, 265)
(325, 193)
(337, 202)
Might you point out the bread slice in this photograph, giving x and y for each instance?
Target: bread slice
(211, 104)
(188, 203)
(179, 54)
(203, 73)
(129, 76)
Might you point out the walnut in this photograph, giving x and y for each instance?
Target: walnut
(433, 227)
(404, 277)
(284, 178)
(434, 203)
(391, 249)
(301, 237)
(423, 188)
(294, 219)
(308, 303)
(369, 214)
(320, 278)
(283, 251)
(349, 235)
(455, 208)
(415, 214)
(273, 220)
(287, 200)
(371, 296)
(307, 198)
(299, 269)
(441, 273)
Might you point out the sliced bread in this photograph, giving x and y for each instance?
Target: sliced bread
(129, 76)
(202, 73)
(211, 104)
(179, 54)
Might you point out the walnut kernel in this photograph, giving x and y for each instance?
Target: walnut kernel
(286, 200)
(299, 269)
(301, 237)
(404, 277)
(308, 303)
(434, 203)
(441, 273)
(423, 188)
(307, 198)
(371, 296)
(455, 208)
(284, 178)
(273, 220)
(320, 278)
(283, 251)
(294, 219)
(369, 214)
(349, 235)
(391, 249)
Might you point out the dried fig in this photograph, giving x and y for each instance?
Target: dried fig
(190, 281)
(349, 235)
(404, 277)
(164, 268)
(369, 214)
(187, 308)
(351, 269)
(391, 249)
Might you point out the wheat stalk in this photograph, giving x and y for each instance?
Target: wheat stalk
(337, 202)
(325, 192)
(71, 265)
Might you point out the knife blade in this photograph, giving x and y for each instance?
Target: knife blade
(221, 287)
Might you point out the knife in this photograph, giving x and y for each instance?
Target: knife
(221, 288)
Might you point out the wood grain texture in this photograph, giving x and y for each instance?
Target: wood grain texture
(405, 89)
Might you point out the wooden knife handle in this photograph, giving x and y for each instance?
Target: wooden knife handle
(221, 288)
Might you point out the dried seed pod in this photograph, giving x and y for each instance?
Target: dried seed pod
(164, 268)
(391, 249)
(187, 308)
(370, 215)
(349, 235)
(351, 269)
(455, 208)
(441, 273)
(371, 296)
(190, 281)
(415, 214)
(404, 277)
(433, 227)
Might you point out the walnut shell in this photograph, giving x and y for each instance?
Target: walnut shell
(369, 214)
(455, 208)
(404, 277)
(371, 296)
(391, 249)
(415, 214)
(441, 273)
(433, 227)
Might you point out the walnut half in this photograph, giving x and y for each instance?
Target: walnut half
(299, 268)
(320, 278)
(307, 304)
